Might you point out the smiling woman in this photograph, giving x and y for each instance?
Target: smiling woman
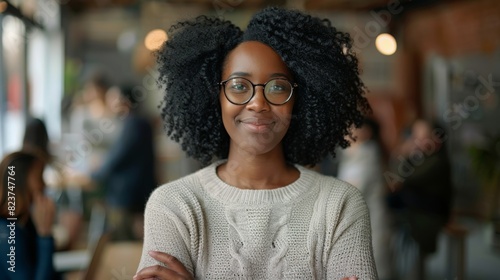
(255, 127)
(255, 106)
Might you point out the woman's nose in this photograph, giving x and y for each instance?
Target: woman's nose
(258, 102)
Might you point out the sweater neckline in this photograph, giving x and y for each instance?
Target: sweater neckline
(226, 193)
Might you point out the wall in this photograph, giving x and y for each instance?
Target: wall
(456, 49)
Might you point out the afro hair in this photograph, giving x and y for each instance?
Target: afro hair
(328, 102)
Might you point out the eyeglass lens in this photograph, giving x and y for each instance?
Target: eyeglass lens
(240, 91)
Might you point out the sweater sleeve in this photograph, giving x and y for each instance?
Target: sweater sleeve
(168, 228)
(350, 253)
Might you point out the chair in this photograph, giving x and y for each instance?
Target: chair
(91, 271)
(83, 260)
(119, 260)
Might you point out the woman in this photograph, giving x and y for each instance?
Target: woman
(258, 105)
(36, 138)
(68, 227)
(26, 218)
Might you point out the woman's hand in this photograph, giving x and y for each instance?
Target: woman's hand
(350, 278)
(174, 270)
(43, 215)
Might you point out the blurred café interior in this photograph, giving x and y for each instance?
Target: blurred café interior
(436, 60)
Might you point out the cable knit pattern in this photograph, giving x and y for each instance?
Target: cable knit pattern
(318, 227)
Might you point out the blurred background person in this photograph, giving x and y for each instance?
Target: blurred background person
(90, 104)
(68, 200)
(89, 119)
(91, 130)
(36, 137)
(127, 174)
(35, 213)
(423, 195)
(362, 165)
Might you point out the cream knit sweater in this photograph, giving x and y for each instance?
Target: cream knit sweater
(315, 228)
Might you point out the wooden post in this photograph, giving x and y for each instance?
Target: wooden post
(455, 256)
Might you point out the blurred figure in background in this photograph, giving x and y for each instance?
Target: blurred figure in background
(423, 193)
(68, 200)
(36, 137)
(362, 166)
(128, 172)
(94, 96)
(22, 197)
(89, 121)
(91, 131)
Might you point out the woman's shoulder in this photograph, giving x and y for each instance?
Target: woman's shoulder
(337, 193)
(339, 202)
(332, 184)
(181, 190)
(178, 186)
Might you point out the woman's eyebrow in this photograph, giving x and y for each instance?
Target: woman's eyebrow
(279, 75)
(240, 74)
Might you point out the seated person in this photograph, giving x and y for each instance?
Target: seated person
(26, 219)
(69, 204)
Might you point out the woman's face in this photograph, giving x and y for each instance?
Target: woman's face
(257, 126)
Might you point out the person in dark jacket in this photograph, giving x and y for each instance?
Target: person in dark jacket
(424, 193)
(128, 171)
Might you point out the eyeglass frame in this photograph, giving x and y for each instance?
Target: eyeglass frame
(223, 85)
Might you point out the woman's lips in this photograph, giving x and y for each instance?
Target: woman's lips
(257, 125)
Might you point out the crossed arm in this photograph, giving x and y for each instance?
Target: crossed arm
(174, 269)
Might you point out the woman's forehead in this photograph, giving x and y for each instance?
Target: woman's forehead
(254, 58)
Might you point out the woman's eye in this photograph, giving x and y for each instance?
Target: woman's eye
(239, 87)
(277, 88)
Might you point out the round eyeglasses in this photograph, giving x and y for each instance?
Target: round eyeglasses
(240, 91)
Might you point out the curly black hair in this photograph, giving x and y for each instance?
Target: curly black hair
(329, 100)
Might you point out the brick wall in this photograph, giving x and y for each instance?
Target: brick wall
(455, 29)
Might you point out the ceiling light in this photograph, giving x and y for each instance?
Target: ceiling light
(155, 39)
(386, 44)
